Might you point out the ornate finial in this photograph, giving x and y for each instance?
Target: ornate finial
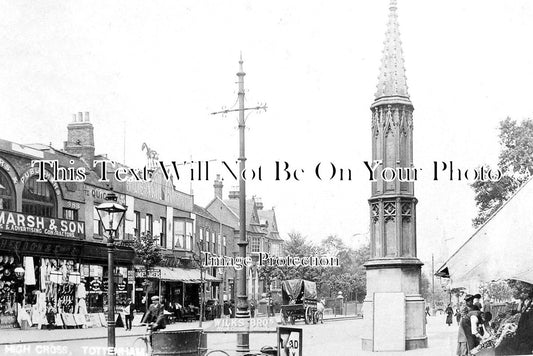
(392, 80)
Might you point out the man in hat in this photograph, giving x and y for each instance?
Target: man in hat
(156, 317)
(469, 327)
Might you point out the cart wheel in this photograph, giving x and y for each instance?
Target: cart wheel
(308, 317)
(291, 319)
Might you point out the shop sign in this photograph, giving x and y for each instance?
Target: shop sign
(47, 175)
(99, 195)
(40, 225)
(152, 273)
(7, 167)
(39, 248)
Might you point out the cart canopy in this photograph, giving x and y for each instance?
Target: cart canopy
(297, 290)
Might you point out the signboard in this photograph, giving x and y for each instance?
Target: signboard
(39, 225)
(39, 248)
(152, 273)
(290, 341)
(235, 325)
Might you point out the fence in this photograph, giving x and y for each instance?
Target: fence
(336, 307)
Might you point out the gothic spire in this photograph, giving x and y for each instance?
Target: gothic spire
(392, 81)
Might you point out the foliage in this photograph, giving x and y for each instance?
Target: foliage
(147, 251)
(515, 163)
(149, 255)
(520, 290)
(350, 277)
(498, 291)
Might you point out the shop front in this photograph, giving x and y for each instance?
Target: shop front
(173, 285)
(36, 271)
(44, 274)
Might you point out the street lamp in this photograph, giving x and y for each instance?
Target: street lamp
(111, 214)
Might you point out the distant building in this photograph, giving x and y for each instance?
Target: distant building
(261, 231)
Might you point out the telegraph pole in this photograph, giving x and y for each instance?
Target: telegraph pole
(433, 280)
(243, 339)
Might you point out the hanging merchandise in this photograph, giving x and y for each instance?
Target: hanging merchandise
(8, 292)
(56, 276)
(29, 271)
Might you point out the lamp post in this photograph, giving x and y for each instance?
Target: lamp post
(111, 214)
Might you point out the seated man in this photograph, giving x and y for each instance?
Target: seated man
(155, 316)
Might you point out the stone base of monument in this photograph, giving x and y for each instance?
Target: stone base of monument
(394, 310)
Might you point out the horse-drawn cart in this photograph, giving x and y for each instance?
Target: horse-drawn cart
(299, 301)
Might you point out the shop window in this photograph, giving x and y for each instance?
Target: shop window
(179, 234)
(97, 225)
(70, 214)
(39, 198)
(189, 235)
(256, 244)
(137, 229)
(163, 235)
(150, 224)
(225, 247)
(7, 193)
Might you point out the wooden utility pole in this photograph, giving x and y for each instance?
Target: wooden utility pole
(243, 340)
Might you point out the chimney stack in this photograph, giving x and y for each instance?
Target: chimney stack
(218, 187)
(258, 203)
(80, 137)
(234, 193)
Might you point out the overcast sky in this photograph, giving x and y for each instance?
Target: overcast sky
(154, 70)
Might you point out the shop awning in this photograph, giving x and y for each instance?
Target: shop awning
(186, 275)
(500, 249)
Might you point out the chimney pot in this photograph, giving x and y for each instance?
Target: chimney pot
(86, 116)
(80, 116)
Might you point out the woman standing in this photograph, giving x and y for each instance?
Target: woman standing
(449, 314)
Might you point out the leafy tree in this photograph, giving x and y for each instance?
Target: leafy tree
(497, 290)
(515, 163)
(149, 255)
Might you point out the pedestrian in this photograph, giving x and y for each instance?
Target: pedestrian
(470, 328)
(252, 308)
(458, 315)
(226, 309)
(449, 314)
(50, 315)
(128, 312)
(427, 310)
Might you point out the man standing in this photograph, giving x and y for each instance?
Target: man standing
(128, 313)
(469, 327)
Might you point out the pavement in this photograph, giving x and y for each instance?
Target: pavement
(339, 336)
(34, 335)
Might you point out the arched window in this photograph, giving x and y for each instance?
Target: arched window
(38, 198)
(7, 192)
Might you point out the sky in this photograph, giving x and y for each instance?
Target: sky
(153, 71)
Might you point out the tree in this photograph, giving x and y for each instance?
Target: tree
(149, 255)
(515, 163)
(497, 290)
